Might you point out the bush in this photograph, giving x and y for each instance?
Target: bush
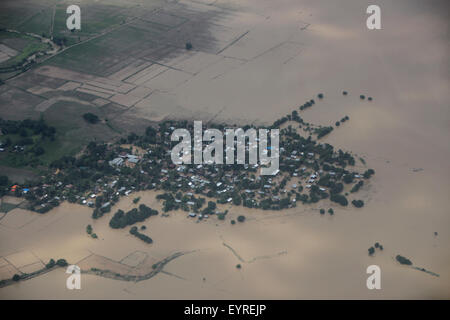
(238, 266)
(320, 96)
(344, 93)
(338, 198)
(322, 211)
(122, 219)
(50, 264)
(16, 277)
(134, 231)
(403, 260)
(362, 97)
(331, 211)
(91, 118)
(358, 203)
(62, 262)
(233, 222)
(371, 251)
(188, 46)
(241, 218)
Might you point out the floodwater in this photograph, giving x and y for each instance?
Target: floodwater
(402, 134)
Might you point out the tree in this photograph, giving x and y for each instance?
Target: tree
(358, 203)
(62, 262)
(91, 118)
(50, 264)
(403, 260)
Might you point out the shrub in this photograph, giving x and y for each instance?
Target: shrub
(50, 264)
(403, 260)
(344, 93)
(322, 211)
(91, 118)
(331, 211)
(371, 251)
(320, 96)
(241, 218)
(358, 203)
(188, 46)
(16, 277)
(362, 97)
(134, 231)
(338, 198)
(62, 262)
(238, 266)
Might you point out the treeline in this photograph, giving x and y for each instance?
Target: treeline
(26, 128)
(134, 231)
(121, 219)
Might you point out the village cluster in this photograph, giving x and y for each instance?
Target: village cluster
(308, 172)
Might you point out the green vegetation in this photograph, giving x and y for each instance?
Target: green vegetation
(371, 251)
(25, 142)
(403, 260)
(89, 229)
(136, 200)
(241, 218)
(357, 186)
(323, 131)
(50, 264)
(338, 198)
(122, 219)
(238, 266)
(91, 118)
(188, 46)
(134, 231)
(368, 173)
(322, 211)
(358, 203)
(61, 262)
(331, 211)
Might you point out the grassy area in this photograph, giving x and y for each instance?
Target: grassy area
(39, 23)
(32, 46)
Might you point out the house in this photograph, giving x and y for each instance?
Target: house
(116, 162)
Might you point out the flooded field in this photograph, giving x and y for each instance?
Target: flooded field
(268, 58)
